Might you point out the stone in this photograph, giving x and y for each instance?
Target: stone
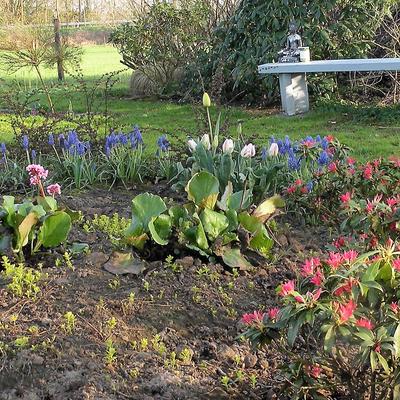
(96, 258)
(36, 359)
(226, 353)
(250, 360)
(185, 262)
(160, 383)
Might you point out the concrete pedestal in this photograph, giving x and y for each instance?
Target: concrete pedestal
(294, 93)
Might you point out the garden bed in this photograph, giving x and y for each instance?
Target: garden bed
(195, 310)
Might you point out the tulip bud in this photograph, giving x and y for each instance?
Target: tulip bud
(205, 141)
(192, 145)
(239, 128)
(228, 146)
(248, 151)
(215, 142)
(206, 100)
(273, 150)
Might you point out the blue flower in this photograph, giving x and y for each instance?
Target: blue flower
(25, 142)
(3, 148)
(163, 143)
(293, 161)
(51, 139)
(61, 140)
(33, 155)
(310, 186)
(264, 153)
(323, 158)
(324, 143)
(135, 137)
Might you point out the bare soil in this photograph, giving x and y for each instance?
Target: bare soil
(195, 310)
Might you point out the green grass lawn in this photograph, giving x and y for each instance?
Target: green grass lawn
(367, 139)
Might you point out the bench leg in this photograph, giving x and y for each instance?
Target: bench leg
(294, 93)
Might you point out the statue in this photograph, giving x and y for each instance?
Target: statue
(291, 53)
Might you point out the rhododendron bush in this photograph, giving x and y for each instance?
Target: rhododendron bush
(338, 326)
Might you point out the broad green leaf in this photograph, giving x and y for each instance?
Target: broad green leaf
(178, 214)
(145, 206)
(330, 339)
(25, 228)
(214, 223)
(55, 229)
(396, 340)
(203, 190)
(48, 203)
(268, 207)
(223, 203)
(239, 202)
(372, 360)
(386, 273)
(383, 362)
(160, 229)
(235, 259)
(137, 241)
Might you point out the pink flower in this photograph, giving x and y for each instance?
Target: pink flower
(330, 138)
(394, 307)
(396, 264)
(313, 370)
(339, 242)
(368, 171)
(36, 170)
(310, 265)
(256, 316)
(299, 299)
(34, 180)
(365, 323)
(273, 313)
(334, 260)
(332, 167)
(346, 311)
(291, 189)
(345, 198)
(346, 288)
(316, 295)
(370, 207)
(350, 256)
(298, 182)
(318, 278)
(287, 288)
(351, 161)
(54, 189)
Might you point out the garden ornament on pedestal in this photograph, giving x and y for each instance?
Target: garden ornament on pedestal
(292, 52)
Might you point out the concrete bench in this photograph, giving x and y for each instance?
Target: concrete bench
(293, 81)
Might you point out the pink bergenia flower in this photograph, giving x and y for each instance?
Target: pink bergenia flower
(256, 316)
(396, 264)
(365, 323)
(54, 189)
(273, 313)
(36, 170)
(287, 288)
(346, 311)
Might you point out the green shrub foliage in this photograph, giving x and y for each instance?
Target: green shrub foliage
(258, 29)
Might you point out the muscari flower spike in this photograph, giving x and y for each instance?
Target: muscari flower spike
(25, 142)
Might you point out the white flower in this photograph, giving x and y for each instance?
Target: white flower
(228, 146)
(248, 151)
(192, 145)
(273, 150)
(205, 141)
